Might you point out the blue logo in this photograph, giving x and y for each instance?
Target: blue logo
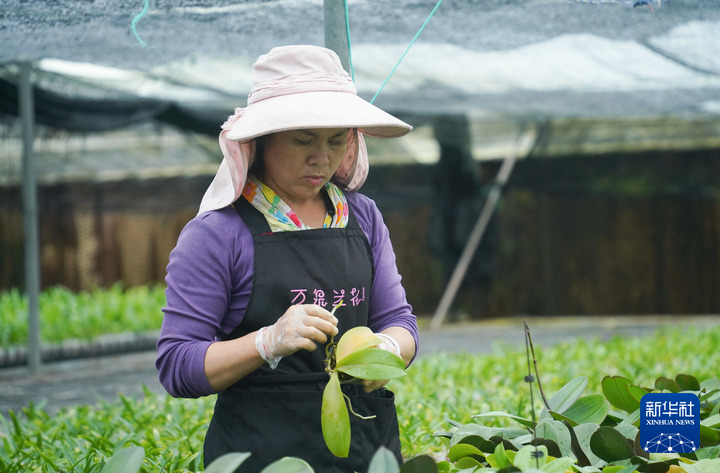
(670, 422)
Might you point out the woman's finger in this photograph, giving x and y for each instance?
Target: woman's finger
(370, 385)
(321, 323)
(317, 311)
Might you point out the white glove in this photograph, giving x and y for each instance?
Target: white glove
(299, 328)
(387, 343)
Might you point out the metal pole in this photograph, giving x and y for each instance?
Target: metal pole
(336, 33)
(30, 215)
(477, 233)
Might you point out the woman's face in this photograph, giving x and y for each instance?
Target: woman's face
(298, 163)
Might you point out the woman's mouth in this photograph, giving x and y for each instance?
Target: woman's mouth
(315, 180)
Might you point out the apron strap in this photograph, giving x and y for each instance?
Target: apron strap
(252, 217)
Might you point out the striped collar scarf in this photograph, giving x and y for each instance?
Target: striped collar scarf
(281, 217)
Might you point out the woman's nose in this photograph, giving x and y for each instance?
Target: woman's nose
(320, 155)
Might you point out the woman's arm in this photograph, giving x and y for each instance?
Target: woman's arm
(204, 299)
(406, 341)
(229, 361)
(301, 327)
(389, 311)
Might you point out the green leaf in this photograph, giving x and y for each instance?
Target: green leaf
(558, 465)
(667, 384)
(551, 445)
(383, 461)
(610, 445)
(629, 431)
(227, 463)
(486, 433)
(462, 450)
(372, 371)
(712, 392)
(661, 457)
(557, 432)
(467, 463)
(593, 408)
(127, 460)
(500, 457)
(560, 417)
(586, 469)
(507, 443)
(372, 363)
(709, 436)
(526, 459)
(615, 389)
(419, 464)
(521, 420)
(687, 382)
(708, 452)
(287, 465)
(712, 421)
(702, 466)
(637, 393)
(335, 420)
(355, 339)
(485, 446)
(583, 433)
(619, 469)
(568, 394)
(632, 418)
(711, 397)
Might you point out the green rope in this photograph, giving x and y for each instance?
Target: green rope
(347, 31)
(137, 18)
(406, 50)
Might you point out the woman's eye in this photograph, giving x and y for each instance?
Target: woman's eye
(337, 142)
(302, 142)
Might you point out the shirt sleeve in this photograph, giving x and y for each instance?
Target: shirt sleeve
(203, 299)
(388, 302)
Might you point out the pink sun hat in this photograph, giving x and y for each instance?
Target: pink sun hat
(298, 87)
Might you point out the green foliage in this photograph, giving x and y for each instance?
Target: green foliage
(85, 315)
(610, 442)
(438, 388)
(335, 419)
(126, 460)
(455, 386)
(78, 439)
(129, 460)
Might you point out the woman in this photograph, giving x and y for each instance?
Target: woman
(282, 239)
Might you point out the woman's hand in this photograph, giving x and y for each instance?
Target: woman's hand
(301, 327)
(387, 343)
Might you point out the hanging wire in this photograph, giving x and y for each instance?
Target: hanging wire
(133, 28)
(406, 50)
(347, 31)
(138, 17)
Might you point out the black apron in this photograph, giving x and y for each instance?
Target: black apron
(276, 413)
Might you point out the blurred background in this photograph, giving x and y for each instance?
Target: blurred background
(605, 113)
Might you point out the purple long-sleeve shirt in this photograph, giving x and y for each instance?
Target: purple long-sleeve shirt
(209, 279)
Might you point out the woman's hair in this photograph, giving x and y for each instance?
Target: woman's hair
(257, 168)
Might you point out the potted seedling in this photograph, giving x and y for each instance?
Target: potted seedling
(355, 357)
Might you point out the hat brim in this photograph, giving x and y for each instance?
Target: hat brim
(315, 110)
